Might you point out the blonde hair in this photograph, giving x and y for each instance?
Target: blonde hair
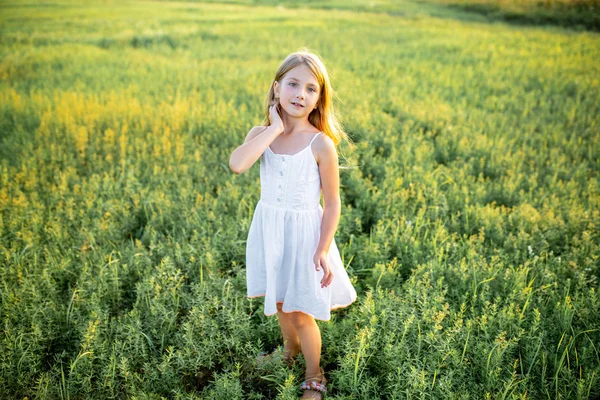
(323, 117)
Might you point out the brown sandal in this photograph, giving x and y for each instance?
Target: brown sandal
(315, 385)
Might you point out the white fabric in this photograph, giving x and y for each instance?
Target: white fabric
(284, 235)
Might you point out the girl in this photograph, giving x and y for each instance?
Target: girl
(291, 255)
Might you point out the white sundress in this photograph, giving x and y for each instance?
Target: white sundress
(284, 235)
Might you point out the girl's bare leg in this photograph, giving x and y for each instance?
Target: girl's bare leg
(310, 340)
(291, 341)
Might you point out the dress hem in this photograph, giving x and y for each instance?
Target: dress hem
(304, 312)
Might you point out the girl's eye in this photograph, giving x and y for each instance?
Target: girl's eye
(313, 89)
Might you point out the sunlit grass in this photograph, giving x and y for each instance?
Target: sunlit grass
(470, 203)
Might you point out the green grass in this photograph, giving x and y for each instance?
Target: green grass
(574, 14)
(470, 204)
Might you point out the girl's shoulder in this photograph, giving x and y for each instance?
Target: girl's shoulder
(324, 147)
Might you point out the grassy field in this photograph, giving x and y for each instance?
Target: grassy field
(470, 212)
(575, 14)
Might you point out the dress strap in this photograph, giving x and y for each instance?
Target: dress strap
(313, 139)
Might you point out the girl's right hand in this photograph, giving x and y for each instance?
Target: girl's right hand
(275, 116)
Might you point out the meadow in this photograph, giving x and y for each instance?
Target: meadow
(469, 224)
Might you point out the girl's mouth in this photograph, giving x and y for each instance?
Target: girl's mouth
(298, 105)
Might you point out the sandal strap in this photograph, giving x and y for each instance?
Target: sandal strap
(320, 376)
(312, 385)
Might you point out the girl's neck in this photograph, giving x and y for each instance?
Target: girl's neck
(293, 125)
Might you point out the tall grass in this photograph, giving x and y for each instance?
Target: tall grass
(470, 204)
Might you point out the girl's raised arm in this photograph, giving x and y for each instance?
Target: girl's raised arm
(256, 142)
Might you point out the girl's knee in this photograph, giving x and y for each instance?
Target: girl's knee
(300, 319)
(279, 305)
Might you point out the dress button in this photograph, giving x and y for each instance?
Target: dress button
(278, 200)
(279, 186)
(281, 173)
(283, 159)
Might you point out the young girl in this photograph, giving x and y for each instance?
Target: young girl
(291, 255)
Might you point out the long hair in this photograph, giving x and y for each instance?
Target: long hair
(323, 117)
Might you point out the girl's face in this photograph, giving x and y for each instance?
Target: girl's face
(298, 91)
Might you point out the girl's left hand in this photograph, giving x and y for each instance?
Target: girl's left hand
(320, 260)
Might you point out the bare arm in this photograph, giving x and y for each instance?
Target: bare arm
(256, 142)
(330, 183)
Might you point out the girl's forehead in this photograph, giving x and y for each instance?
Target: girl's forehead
(301, 73)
